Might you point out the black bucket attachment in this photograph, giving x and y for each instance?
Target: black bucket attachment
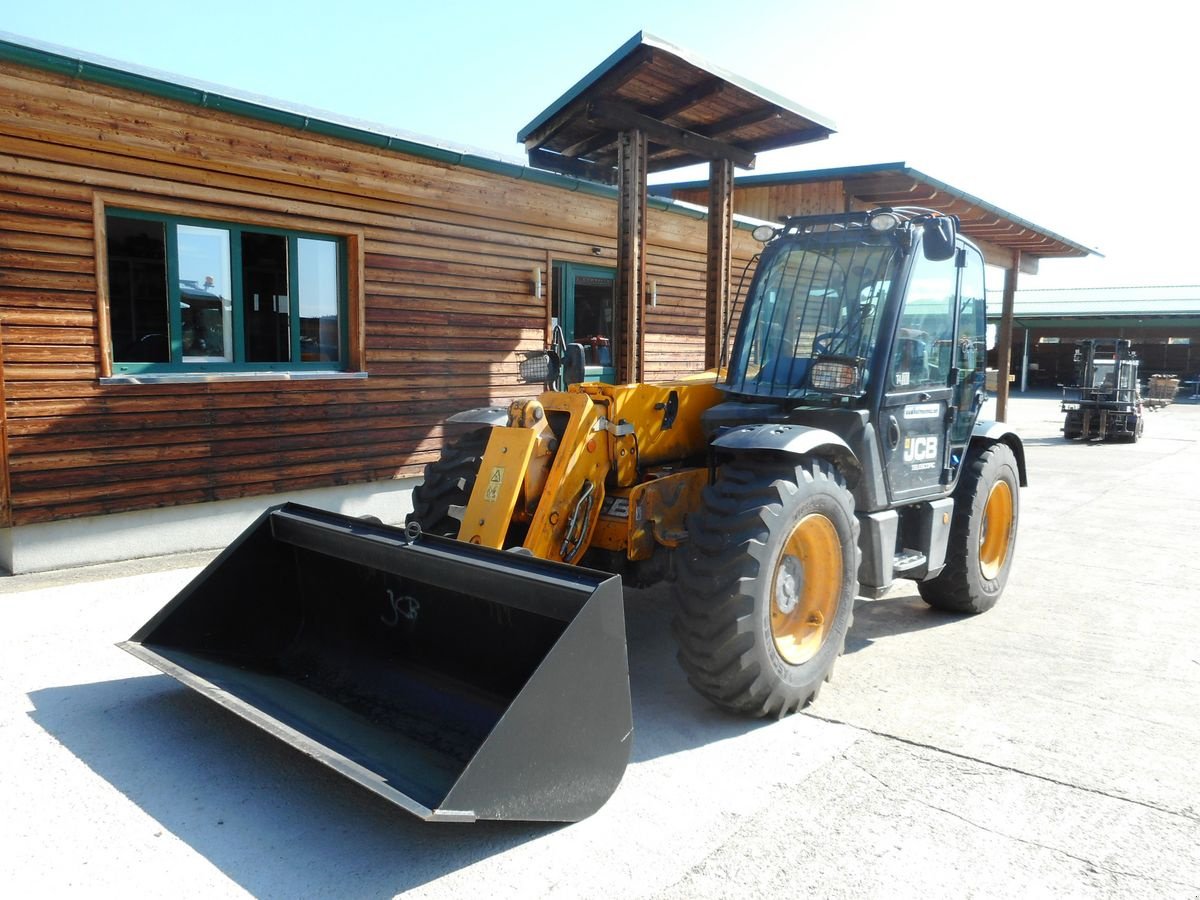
(459, 682)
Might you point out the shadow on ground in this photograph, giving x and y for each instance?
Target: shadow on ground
(269, 817)
(890, 616)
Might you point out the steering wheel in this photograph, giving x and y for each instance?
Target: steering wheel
(823, 343)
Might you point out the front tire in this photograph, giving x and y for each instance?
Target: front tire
(448, 482)
(983, 535)
(766, 586)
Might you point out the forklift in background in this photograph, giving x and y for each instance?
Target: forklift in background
(1106, 400)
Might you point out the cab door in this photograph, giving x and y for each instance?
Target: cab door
(585, 305)
(919, 399)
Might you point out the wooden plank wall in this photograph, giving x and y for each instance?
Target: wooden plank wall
(447, 254)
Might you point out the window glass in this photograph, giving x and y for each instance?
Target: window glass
(924, 347)
(972, 322)
(810, 300)
(137, 290)
(265, 297)
(186, 294)
(594, 319)
(971, 347)
(204, 294)
(318, 285)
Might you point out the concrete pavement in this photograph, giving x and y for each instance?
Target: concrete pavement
(1046, 748)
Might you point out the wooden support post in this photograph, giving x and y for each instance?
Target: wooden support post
(720, 254)
(631, 255)
(1004, 345)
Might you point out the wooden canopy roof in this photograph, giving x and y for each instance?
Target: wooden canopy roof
(896, 184)
(996, 231)
(690, 111)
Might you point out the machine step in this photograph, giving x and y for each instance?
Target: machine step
(907, 560)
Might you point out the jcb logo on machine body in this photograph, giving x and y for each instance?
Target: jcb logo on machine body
(919, 449)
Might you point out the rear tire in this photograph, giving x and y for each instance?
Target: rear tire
(1138, 428)
(983, 535)
(766, 586)
(1073, 426)
(448, 482)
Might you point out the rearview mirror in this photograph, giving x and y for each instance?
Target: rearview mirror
(938, 239)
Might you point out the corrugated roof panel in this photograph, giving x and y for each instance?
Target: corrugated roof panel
(1155, 300)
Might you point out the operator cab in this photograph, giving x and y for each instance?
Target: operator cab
(868, 322)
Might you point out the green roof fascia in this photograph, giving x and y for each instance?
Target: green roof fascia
(648, 40)
(901, 168)
(99, 73)
(1046, 320)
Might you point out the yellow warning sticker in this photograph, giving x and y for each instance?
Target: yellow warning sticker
(493, 488)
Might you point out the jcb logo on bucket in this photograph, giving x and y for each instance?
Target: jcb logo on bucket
(919, 449)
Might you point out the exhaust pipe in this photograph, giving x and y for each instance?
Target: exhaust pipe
(456, 681)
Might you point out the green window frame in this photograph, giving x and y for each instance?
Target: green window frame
(231, 304)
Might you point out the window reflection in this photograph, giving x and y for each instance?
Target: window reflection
(204, 294)
(318, 276)
(924, 350)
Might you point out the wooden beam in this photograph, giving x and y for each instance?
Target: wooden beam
(580, 168)
(612, 80)
(688, 99)
(733, 123)
(802, 135)
(631, 255)
(720, 242)
(622, 117)
(1004, 344)
(665, 163)
(590, 144)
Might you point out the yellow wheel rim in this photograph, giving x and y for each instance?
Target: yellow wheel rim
(996, 531)
(805, 589)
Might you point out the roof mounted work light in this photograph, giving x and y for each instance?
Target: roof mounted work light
(883, 220)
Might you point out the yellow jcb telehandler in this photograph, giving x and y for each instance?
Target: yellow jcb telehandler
(473, 665)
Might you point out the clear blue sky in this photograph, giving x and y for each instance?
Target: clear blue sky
(1074, 115)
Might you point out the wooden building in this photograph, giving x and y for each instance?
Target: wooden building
(209, 303)
(322, 295)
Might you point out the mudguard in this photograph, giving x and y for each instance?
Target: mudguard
(990, 432)
(794, 440)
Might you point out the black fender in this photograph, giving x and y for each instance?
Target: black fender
(793, 440)
(987, 432)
